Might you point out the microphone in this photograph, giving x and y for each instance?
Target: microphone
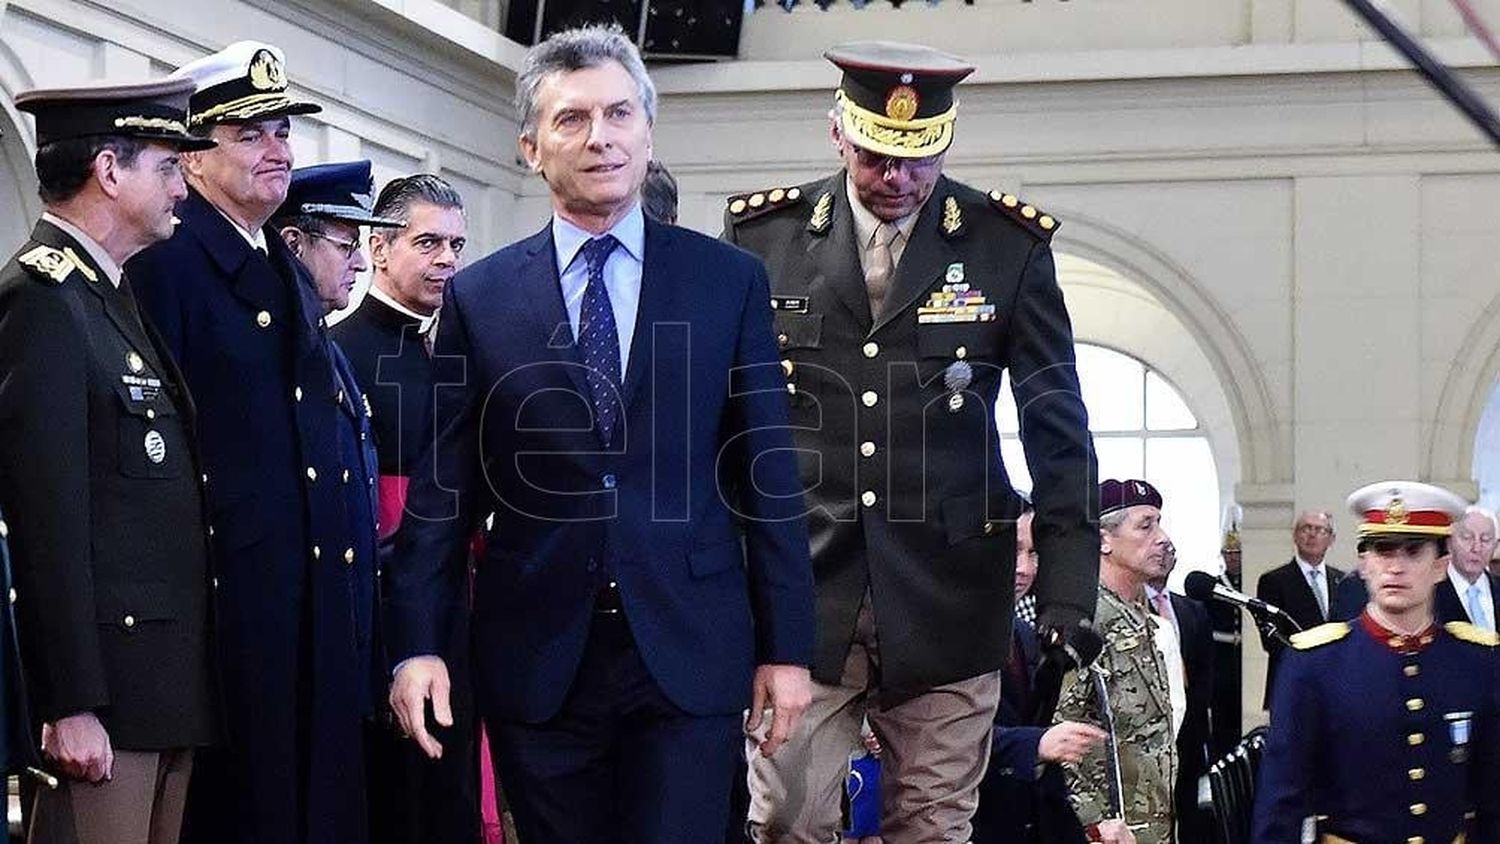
(1202, 586)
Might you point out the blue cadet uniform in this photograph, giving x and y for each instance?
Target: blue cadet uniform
(1379, 736)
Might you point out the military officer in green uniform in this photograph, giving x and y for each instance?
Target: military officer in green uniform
(1386, 728)
(100, 479)
(1136, 663)
(900, 297)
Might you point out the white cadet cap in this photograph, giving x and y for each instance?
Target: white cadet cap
(244, 81)
(1405, 508)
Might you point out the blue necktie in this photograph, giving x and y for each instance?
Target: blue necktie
(598, 338)
(1477, 614)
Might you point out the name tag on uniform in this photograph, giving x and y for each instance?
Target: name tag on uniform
(141, 389)
(792, 304)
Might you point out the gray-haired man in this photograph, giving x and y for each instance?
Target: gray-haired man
(616, 375)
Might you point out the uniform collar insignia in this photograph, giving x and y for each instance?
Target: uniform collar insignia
(822, 215)
(953, 216)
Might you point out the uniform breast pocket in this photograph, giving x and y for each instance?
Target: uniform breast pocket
(132, 608)
(151, 443)
(939, 345)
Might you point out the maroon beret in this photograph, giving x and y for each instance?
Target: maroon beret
(1117, 495)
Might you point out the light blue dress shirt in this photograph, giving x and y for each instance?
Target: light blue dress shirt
(622, 273)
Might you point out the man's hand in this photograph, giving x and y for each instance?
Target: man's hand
(1069, 742)
(787, 689)
(1115, 832)
(418, 680)
(80, 746)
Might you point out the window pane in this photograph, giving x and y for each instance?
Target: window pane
(1165, 409)
(1183, 469)
(1112, 389)
(1015, 465)
(1120, 457)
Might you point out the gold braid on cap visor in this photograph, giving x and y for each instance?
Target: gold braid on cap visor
(897, 138)
(1369, 529)
(242, 108)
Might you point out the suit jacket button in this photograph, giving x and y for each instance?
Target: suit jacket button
(868, 498)
(129, 621)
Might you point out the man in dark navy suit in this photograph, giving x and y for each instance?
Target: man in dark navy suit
(609, 388)
(1304, 586)
(250, 338)
(1469, 592)
(1387, 728)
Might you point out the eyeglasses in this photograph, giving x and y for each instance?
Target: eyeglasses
(887, 163)
(347, 247)
(1315, 530)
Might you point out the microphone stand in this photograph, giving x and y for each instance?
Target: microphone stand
(1269, 628)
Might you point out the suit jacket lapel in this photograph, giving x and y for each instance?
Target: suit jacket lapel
(657, 284)
(542, 290)
(230, 252)
(928, 253)
(836, 255)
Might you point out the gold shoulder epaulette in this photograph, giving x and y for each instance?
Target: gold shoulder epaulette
(1320, 635)
(1029, 216)
(46, 261)
(748, 206)
(1467, 632)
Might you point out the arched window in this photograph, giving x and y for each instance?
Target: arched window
(1142, 429)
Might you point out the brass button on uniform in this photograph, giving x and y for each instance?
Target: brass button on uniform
(1415, 739)
(989, 528)
(782, 340)
(1416, 774)
(961, 352)
(737, 206)
(794, 194)
(787, 368)
(134, 362)
(210, 530)
(339, 397)
(870, 398)
(349, 556)
(346, 476)
(317, 552)
(312, 474)
(1416, 839)
(129, 621)
(1419, 809)
(297, 394)
(1411, 671)
(1415, 705)
(867, 449)
(868, 498)
(263, 319)
(871, 350)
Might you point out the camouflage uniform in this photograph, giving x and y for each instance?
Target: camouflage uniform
(1137, 681)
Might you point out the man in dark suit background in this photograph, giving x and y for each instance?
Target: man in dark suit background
(1469, 591)
(100, 478)
(249, 334)
(387, 339)
(1190, 621)
(1228, 628)
(622, 413)
(901, 297)
(1303, 587)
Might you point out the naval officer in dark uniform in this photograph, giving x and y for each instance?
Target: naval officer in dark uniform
(99, 478)
(1386, 728)
(250, 337)
(900, 296)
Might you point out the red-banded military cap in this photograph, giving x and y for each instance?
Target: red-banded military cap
(897, 99)
(1405, 508)
(153, 111)
(1118, 495)
(242, 82)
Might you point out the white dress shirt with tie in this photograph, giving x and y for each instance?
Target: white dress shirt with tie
(1317, 580)
(1477, 598)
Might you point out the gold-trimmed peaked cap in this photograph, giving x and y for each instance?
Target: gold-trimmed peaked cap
(1405, 508)
(152, 111)
(242, 82)
(897, 99)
